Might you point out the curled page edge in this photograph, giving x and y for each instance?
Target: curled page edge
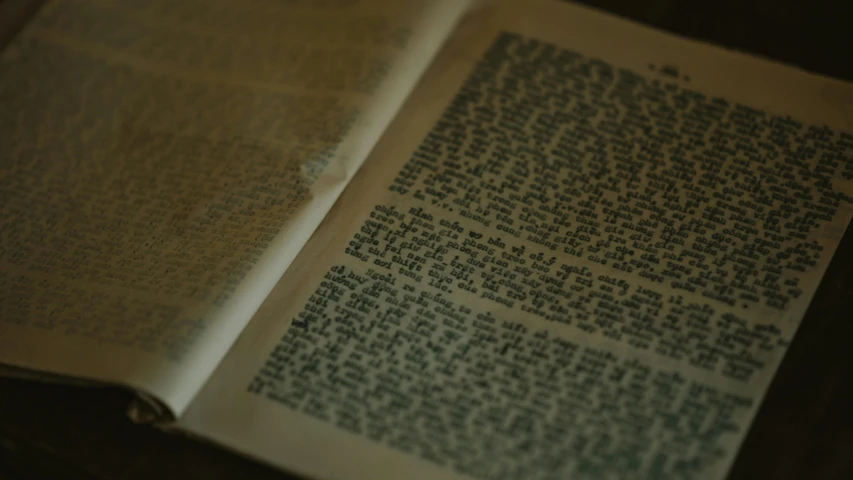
(147, 410)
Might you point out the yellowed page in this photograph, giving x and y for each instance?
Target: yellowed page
(165, 161)
(580, 251)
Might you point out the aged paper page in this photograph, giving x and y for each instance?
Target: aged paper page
(165, 161)
(580, 251)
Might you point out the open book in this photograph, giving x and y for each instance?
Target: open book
(436, 239)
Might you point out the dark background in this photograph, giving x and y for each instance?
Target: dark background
(804, 429)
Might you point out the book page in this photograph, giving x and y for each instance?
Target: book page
(165, 162)
(580, 251)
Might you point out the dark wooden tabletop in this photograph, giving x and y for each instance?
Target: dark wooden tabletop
(804, 429)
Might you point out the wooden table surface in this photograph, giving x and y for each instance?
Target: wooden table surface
(804, 429)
